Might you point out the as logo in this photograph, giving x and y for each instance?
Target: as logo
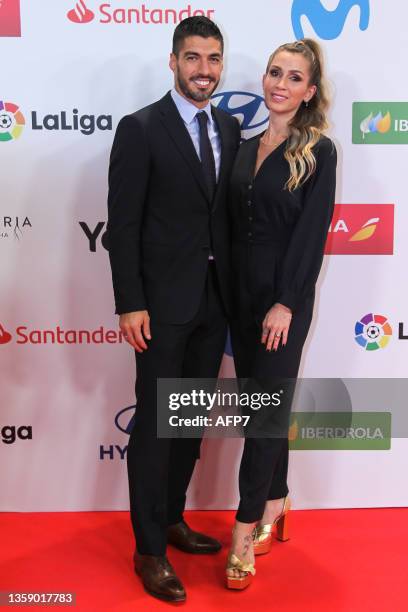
(12, 121)
(80, 13)
(373, 332)
(5, 337)
(248, 108)
(327, 24)
(10, 22)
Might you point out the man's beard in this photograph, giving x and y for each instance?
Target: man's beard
(197, 96)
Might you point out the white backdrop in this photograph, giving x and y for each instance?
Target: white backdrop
(70, 392)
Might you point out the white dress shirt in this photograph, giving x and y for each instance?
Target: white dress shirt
(188, 112)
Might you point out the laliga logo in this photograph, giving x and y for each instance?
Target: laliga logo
(248, 108)
(373, 332)
(379, 123)
(327, 24)
(12, 121)
(81, 13)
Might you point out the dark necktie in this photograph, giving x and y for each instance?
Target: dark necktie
(207, 155)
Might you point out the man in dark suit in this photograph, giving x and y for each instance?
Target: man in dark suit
(169, 249)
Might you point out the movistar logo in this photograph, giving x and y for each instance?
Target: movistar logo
(327, 24)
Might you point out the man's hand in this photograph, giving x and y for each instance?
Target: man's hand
(275, 326)
(135, 327)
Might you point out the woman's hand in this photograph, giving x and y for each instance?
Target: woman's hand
(275, 326)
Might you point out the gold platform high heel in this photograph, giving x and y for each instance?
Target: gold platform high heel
(263, 533)
(239, 582)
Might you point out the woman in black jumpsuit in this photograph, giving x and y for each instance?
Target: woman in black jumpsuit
(279, 234)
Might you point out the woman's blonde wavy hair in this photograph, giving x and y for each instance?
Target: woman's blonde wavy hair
(310, 121)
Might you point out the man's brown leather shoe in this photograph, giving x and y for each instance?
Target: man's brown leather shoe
(182, 537)
(159, 578)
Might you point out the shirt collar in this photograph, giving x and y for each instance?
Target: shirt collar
(188, 110)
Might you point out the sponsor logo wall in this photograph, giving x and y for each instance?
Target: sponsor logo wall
(65, 366)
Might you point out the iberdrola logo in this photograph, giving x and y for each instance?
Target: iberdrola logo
(379, 123)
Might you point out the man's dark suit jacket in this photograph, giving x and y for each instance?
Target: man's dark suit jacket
(161, 223)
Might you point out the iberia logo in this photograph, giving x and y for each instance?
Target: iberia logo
(368, 230)
(5, 337)
(80, 13)
(12, 121)
(10, 22)
(361, 229)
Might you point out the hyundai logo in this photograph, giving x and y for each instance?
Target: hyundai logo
(125, 419)
(248, 108)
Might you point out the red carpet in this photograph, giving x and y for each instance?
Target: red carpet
(348, 560)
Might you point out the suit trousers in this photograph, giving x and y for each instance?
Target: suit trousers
(264, 463)
(160, 469)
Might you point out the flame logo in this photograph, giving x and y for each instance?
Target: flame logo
(379, 123)
(5, 337)
(293, 431)
(81, 13)
(366, 231)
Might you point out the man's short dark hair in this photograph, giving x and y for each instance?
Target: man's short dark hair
(196, 26)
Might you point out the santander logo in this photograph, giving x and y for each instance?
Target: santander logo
(80, 13)
(5, 337)
(143, 14)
